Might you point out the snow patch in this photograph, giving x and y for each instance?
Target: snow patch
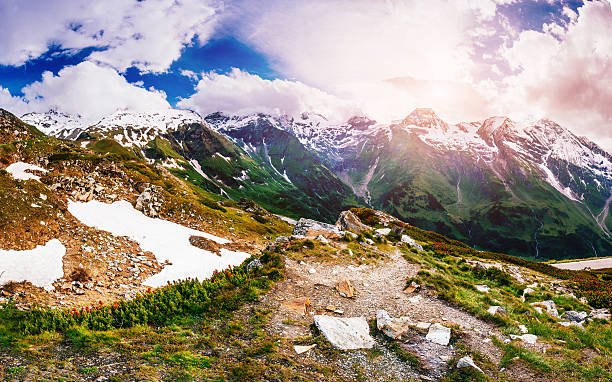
(18, 170)
(166, 240)
(41, 266)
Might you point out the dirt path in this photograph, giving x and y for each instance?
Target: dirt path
(378, 287)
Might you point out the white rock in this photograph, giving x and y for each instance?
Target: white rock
(497, 310)
(312, 270)
(482, 288)
(439, 334)
(409, 240)
(549, 305)
(523, 329)
(345, 333)
(528, 338)
(468, 362)
(299, 349)
(383, 231)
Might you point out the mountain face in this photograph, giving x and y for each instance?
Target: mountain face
(271, 167)
(532, 189)
(529, 189)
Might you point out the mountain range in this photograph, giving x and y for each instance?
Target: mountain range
(532, 189)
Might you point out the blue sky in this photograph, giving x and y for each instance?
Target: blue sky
(466, 59)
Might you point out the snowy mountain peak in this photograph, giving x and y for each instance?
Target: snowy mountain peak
(55, 122)
(162, 120)
(425, 117)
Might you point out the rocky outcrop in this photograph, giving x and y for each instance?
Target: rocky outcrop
(313, 228)
(348, 221)
(408, 240)
(345, 333)
(148, 202)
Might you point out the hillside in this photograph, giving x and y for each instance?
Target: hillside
(118, 263)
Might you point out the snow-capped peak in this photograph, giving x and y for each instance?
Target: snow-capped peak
(161, 121)
(425, 117)
(55, 122)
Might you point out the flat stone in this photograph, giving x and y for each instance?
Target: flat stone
(423, 325)
(335, 309)
(412, 287)
(439, 334)
(482, 288)
(299, 349)
(345, 333)
(468, 362)
(345, 288)
(527, 338)
(299, 305)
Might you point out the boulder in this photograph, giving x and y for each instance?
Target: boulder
(574, 316)
(312, 228)
(348, 221)
(482, 288)
(468, 362)
(345, 333)
(345, 288)
(497, 310)
(439, 334)
(523, 329)
(408, 240)
(148, 202)
(322, 239)
(392, 327)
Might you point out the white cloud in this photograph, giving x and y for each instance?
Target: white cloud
(242, 93)
(353, 48)
(90, 90)
(15, 105)
(148, 34)
(565, 73)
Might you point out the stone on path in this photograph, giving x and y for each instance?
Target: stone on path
(392, 327)
(299, 305)
(439, 334)
(468, 362)
(345, 333)
(345, 288)
(423, 325)
(412, 287)
(299, 349)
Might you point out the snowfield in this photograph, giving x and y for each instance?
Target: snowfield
(41, 266)
(18, 170)
(166, 240)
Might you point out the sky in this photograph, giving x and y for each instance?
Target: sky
(466, 59)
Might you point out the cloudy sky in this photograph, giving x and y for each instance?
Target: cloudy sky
(467, 59)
